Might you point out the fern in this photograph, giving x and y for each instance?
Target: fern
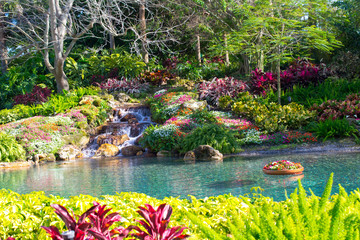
(10, 149)
(326, 194)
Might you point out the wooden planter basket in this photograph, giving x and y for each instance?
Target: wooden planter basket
(284, 172)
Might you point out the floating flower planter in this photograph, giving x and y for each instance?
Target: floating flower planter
(283, 167)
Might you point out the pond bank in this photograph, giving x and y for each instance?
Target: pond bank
(340, 146)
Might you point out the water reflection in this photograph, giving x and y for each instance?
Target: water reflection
(172, 177)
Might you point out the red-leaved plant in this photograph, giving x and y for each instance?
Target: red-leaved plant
(218, 87)
(97, 228)
(101, 222)
(156, 224)
(37, 95)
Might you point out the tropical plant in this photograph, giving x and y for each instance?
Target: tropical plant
(333, 109)
(36, 96)
(219, 87)
(166, 137)
(10, 149)
(159, 77)
(131, 86)
(215, 135)
(333, 129)
(288, 137)
(273, 117)
(156, 224)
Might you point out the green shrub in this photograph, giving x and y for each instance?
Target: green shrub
(203, 117)
(217, 136)
(166, 137)
(334, 89)
(273, 117)
(333, 129)
(213, 218)
(18, 112)
(10, 149)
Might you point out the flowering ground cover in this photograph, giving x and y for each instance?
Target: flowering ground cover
(43, 134)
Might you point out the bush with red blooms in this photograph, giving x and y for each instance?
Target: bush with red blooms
(36, 96)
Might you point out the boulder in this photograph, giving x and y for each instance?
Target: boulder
(122, 97)
(133, 120)
(107, 150)
(131, 150)
(206, 152)
(80, 140)
(163, 153)
(189, 156)
(127, 117)
(112, 139)
(194, 105)
(44, 158)
(137, 140)
(135, 130)
(68, 152)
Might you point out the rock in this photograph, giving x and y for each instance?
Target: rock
(149, 154)
(137, 140)
(194, 105)
(131, 150)
(127, 117)
(39, 157)
(135, 130)
(133, 120)
(68, 152)
(206, 152)
(15, 165)
(112, 139)
(163, 153)
(122, 97)
(107, 150)
(189, 156)
(80, 140)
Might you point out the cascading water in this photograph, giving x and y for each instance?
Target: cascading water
(129, 121)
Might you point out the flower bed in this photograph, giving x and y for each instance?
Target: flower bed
(283, 167)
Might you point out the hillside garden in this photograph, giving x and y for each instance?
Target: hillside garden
(237, 76)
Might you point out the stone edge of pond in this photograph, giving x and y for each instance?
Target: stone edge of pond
(15, 165)
(332, 147)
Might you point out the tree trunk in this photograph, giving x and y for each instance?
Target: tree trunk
(278, 80)
(60, 77)
(144, 52)
(198, 49)
(245, 65)
(227, 60)
(112, 43)
(3, 49)
(260, 57)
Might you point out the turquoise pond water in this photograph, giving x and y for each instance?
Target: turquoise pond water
(160, 177)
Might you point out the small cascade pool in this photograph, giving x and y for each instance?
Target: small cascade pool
(122, 124)
(164, 177)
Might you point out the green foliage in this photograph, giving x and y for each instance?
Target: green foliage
(217, 136)
(128, 65)
(225, 102)
(214, 218)
(18, 112)
(333, 128)
(203, 117)
(157, 138)
(335, 89)
(273, 117)
(10, 150)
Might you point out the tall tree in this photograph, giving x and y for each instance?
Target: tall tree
(56, 25)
